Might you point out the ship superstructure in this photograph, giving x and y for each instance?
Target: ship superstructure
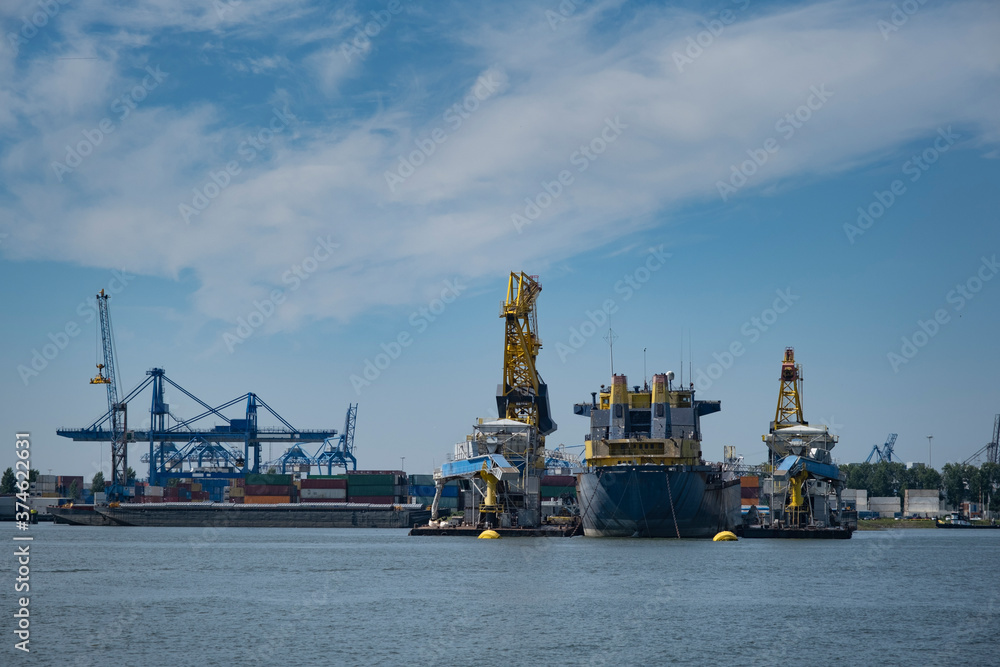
(645, 475)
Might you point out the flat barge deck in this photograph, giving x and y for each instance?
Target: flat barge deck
(568, 530)
(795, 533)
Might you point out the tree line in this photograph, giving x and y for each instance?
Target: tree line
(959, 482)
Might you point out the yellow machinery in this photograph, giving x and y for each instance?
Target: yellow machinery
(522, 396)
(789, 410)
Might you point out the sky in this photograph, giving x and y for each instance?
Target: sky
(277, 194)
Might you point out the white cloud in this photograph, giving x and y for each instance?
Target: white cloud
(453, 215)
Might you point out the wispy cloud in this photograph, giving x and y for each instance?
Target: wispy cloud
(452, 216)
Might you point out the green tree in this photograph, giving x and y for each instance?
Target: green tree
(74, 490)
(32, 475)
(955, 478)
(129, 476)
(97, 484)
(8, 481)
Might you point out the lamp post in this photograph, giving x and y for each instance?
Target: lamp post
(929, 463)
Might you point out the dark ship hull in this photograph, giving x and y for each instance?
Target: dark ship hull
(645, 500)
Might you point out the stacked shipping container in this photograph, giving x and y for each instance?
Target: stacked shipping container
(553, 487)
(750, 490)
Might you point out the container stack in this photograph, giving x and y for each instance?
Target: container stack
(378, 487)
(422, 492)
(236, 491)
(323, 489)
(45, 486)
(750, 490)
(553, 487)
(269, 489)
(64, 484)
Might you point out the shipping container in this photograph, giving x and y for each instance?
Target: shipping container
(557, 491)
(558, 480)
(422, 480)
(266, 500)
(270, 479)
(269, 489)
(372, 480)
(749, 481)
(332, 494)
(313, 483)
(381, 490)
(374, 500)
(237, 492)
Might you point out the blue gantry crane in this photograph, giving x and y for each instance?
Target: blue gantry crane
(884, 454)
(176, 446)
(340, 452)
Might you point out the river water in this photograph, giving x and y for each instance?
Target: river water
(235, 596)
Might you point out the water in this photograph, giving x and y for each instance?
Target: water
(178, 596)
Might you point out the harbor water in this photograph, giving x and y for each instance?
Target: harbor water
(244, 596)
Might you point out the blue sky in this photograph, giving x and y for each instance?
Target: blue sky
(205, 160)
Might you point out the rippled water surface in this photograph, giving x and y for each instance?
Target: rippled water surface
(240, 596)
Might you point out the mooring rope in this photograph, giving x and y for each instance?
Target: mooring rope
(670, 494)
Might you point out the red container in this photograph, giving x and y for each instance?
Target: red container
(324, 484)
(323, 500)
(374, 500)
(558, 480)
(749, 492)
(268, 490)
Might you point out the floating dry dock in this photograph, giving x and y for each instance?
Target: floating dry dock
(291, 515)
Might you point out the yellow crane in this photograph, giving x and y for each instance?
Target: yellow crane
(522, 396)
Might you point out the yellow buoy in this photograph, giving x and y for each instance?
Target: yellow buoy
(489, 535)
(725, 536)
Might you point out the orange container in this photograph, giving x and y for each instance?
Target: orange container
(266, 500)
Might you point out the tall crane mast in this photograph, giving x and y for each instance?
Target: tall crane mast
(523, 396)
(789, 410)
(107, 376)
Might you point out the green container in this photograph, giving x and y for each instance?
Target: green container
(371, 480)
(557, 491)
(382, 490)
(269, 480)
(422, 480)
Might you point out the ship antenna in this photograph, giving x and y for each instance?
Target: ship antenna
(645, 385)
(690, 360)
(611, 343)
(682, 358)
